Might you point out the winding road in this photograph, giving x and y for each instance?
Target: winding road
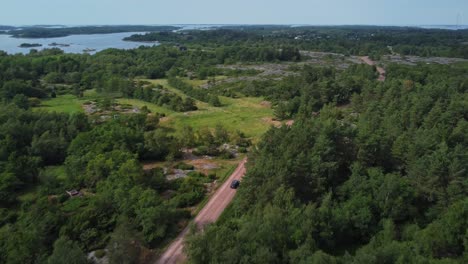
(209, 214)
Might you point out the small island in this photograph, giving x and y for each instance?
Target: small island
(30, 45)
(55, 44)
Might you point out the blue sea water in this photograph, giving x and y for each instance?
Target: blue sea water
(449, 27)
(78, 43)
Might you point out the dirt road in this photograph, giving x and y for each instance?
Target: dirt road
(381, 70)
(209, 214)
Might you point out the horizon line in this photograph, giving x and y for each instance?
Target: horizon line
(228, 24)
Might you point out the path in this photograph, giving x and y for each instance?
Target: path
(381, 70)
(209, 214)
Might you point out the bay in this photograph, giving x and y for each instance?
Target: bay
(77, 43)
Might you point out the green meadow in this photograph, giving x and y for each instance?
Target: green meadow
(246, 114)
(68, 103)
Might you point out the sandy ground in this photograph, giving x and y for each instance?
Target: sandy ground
(209, 214)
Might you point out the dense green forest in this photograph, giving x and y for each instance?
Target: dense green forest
(383, 181)
(44, 154)
(369, 172)
(350, 40)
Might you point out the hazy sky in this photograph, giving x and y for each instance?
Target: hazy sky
(75, 12)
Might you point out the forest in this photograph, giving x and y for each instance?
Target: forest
(369, 171)
(381, 181)
(351, 40)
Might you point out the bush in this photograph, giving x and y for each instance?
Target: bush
(184, 166)
(126, 106)
(73, 204)
(188, 199)
(34, 101)
(196, 174)
(205, 150)
(63, 197)
(183, 214)
(212, 176)
(226, 155)
(100, 253)
(200, 177)
(242, 150)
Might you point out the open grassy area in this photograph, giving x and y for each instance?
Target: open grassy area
(246, 114)
(152, 107)
(67, 103)
(63, 103)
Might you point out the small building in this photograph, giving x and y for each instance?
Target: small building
(74, 193)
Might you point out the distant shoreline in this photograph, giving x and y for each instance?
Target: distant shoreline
(56, 31)
(35, 32)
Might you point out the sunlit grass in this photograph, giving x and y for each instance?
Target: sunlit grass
(152, 107)
(67, 103)
(63, 103)
(244, 114)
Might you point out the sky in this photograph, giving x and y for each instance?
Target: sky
(315, 12)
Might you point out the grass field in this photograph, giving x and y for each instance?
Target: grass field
(152, 107)
(67, 103)
(246, 114)
(62, 103)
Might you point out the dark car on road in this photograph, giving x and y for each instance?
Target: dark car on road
(235, 184)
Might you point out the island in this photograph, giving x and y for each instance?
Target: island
(30, 45)
(55, 44)
(46, 32)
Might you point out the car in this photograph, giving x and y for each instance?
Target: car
(235, 184)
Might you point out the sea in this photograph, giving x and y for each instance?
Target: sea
(74, 43)
(86, 43)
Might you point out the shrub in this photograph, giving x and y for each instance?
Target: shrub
(188, 199)
(226, 155)
(212, 176)
(100, 253)
(184, 166)
(63, 197)
(242, 150)
(205, 150)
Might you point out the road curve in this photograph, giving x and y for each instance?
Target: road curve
(209, 214)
